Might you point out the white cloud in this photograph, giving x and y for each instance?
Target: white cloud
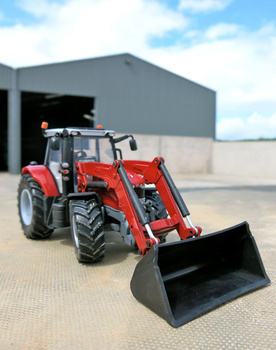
(85, 28)
(39, 8)
(254, 127)
(203, 5)
(221, 30)
(241, 68)
(238, 64)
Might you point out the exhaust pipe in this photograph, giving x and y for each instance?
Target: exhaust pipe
(181, 281)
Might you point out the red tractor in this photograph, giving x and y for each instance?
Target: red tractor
(84, 183)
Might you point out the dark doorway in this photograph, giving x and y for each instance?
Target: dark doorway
(58, 110)
(3, 130)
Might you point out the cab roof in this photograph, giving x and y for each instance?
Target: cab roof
(78, 131)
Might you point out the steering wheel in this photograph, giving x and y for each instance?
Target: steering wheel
(80, 155)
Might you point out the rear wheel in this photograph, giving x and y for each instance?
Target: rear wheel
(31, 210)
(157, 210)
(87, 230)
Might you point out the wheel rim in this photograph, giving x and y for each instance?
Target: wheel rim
(26, 207)
(75, 234)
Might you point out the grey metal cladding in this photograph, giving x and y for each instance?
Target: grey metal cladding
(5, 77)
(151, 100)
(132, 95)
(88, 77)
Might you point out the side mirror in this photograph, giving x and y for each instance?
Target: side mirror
(133, 144)
(55, 143)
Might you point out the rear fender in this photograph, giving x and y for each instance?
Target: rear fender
(42, 175)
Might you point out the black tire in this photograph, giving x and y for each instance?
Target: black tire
(87, 230)
(158, 210)
(31, 211)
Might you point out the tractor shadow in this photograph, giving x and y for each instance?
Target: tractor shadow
(116, 251)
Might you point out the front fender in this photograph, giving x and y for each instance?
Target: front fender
(42, 175)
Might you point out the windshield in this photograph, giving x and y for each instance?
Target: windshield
(93, 149)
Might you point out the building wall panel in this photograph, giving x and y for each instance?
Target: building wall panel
(5, 77)
(131, 95)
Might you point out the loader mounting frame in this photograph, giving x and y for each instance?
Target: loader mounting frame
(115, 178)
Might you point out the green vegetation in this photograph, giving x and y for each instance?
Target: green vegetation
(248, 140)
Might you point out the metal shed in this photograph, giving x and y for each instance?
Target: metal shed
(6, 74)
(122, 92)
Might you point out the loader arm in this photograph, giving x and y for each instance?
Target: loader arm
(156, 173)
(118, 177)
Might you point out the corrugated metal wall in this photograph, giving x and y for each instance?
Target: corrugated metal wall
(131, 95)
(5, 77)
(5, 85)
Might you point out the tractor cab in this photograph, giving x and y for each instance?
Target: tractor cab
(70, 145)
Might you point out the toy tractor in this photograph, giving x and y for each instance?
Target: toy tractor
(84, 183)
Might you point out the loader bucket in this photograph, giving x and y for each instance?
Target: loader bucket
(180, 281)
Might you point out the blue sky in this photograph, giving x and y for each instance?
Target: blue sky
(226, 45)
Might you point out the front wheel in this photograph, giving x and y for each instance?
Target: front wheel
(87, 230)
(31, 210)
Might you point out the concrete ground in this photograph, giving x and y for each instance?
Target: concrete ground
(50, 301)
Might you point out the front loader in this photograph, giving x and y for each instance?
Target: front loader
(84, 183)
